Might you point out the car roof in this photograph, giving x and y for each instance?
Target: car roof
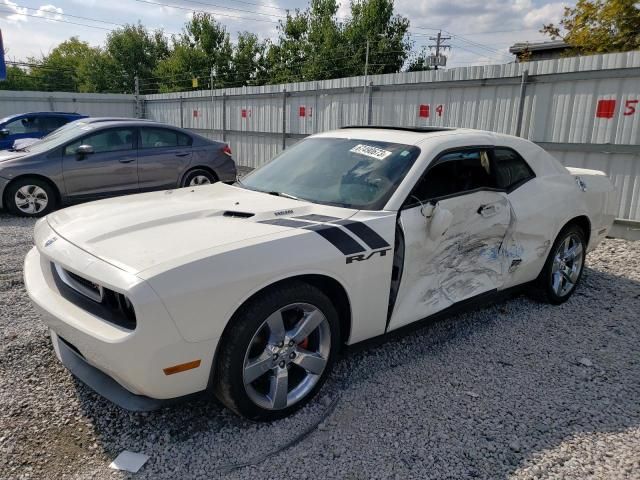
(75, 114)
(413, 135)
(114, 119)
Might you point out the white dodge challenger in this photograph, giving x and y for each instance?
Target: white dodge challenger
(248, 291)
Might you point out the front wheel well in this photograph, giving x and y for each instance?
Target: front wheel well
(42, 178)
(329, 286)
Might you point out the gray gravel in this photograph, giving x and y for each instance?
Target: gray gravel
(517, 390)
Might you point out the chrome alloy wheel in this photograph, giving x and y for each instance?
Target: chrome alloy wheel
(286, 356)
(567, 264)
(31, 199)
(199, 180)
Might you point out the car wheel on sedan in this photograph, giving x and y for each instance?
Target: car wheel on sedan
(30, 197)
(277, 352)
(563, 268)
(198, 177)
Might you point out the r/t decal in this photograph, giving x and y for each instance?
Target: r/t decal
(362, 257)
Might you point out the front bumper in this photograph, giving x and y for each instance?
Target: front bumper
(100, 382)
(133, 359)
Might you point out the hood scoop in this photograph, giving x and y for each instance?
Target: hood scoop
(236, 214)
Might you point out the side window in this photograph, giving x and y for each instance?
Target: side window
(50, 124)
(22, 125)
(511, 169)
(454, 173)
(162, 138)
(111, 140)
(184, 140)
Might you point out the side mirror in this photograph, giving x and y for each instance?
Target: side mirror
(83, 150)
(440, 222)
(5, 132)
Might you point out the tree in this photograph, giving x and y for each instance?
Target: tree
(286, 57)
(249, 61)
(599, 26)
(19, 78)
(203, 44)
(314, 45)
(327, 53)
(62, 69)
(419, 62)
(134, 50)
(387, 34)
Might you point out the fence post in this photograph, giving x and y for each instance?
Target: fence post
(181, 112)
(136, 92)
(224, 117)
(523, 91)
(284, 118)
(370, 104)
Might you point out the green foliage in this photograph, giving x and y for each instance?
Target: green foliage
(19, 78)
(599, 26)
(312, 44)
(133, 50)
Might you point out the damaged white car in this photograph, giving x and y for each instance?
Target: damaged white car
(248, 291)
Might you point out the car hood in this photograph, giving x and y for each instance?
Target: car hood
(6, 155)
(141, 231)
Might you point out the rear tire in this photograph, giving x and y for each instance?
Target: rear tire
(30, 197)
(563, 268)
(198, 177)
(278, 352)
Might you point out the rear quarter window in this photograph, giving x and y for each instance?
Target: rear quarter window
(511, 169)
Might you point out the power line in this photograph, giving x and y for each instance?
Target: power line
(193, 10)
(234, 9)
(54, 19)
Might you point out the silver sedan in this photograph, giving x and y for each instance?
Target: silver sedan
(97, 158)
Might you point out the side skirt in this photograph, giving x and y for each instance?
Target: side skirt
(473, 303)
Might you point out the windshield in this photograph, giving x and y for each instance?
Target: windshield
(60, 136)
(351, 173)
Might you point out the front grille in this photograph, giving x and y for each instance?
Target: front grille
(81, 285)
(111, 306)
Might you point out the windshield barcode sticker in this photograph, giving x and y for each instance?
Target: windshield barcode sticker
(369, 151)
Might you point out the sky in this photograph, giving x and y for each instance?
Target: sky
(481, 30)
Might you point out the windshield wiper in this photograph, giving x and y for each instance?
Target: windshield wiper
(283, 194)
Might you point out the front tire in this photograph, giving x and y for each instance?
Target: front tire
(564, 266)
(30, 197)
(278, 352)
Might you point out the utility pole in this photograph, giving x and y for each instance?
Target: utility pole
(439, 44)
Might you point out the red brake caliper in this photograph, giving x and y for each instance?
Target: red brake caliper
(304, 343)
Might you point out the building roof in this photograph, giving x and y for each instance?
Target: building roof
(537, 46)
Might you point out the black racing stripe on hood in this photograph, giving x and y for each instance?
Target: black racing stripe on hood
(287, 222)
(365, 233)
(338, 238)
(318, 218)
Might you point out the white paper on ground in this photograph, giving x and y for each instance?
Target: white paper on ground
(129, 461)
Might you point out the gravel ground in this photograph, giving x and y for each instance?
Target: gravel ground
(516, 390)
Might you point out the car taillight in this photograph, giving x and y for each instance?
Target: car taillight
(226, 149)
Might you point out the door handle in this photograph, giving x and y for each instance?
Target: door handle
(126, 160)
(182, 154)
(488, 210)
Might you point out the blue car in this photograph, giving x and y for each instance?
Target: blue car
(32, 125)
